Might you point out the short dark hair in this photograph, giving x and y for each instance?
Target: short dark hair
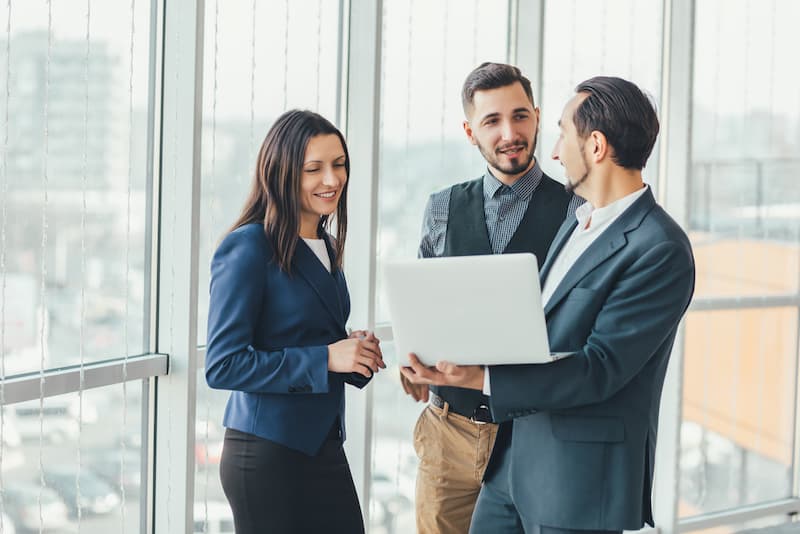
(492, 76)
(623, 113)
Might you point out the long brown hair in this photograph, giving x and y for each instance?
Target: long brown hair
(274, 197)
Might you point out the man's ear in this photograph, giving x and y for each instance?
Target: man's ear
(468, 131)
(599, 146)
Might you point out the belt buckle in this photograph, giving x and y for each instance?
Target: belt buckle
(481, 410)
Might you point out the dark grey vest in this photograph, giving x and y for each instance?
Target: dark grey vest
(467, 236)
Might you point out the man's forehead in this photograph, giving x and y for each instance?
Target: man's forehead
(569, 108)
(510, 96)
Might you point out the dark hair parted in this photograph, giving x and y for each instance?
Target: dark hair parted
(492, 76)
(623, 113)
(274, 197)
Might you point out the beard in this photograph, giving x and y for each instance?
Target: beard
(571, 186)
(515, 165)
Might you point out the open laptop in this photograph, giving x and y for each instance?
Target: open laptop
(468, 310)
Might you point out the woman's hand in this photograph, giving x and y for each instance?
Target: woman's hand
(360, 353)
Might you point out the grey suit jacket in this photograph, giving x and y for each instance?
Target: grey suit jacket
(583, 436)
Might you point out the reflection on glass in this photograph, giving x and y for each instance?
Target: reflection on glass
(737, 435)
(83, 456)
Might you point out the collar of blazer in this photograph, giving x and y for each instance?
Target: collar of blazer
(605, 246)
(328, 286)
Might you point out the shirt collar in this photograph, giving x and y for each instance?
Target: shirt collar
(522, 188)
(601, 216)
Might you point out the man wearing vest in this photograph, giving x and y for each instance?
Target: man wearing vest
(513, 207)
(576, 446)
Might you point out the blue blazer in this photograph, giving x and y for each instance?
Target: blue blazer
(268, 333)
(583, 436)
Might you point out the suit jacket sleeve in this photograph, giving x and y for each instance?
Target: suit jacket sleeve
(238, 290)
(639, 315)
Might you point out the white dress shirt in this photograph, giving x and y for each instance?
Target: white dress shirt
(591, 224)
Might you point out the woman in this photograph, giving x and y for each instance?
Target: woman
(277, 339)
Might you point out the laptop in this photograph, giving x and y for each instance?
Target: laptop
(468, 310)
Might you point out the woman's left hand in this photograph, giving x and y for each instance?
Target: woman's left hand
(368, 335)
(364, 334)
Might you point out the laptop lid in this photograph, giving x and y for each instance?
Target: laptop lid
(468, 310)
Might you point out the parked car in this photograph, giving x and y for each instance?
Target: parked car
(59, 418)
(96, 496)
(107, 465)
(22, 507)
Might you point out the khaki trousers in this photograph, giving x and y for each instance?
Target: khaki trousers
(453, 453)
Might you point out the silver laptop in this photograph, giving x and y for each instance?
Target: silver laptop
(469, 310)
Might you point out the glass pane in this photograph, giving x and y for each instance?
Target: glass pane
(212, 513)
(252, 74)
(88, 457)
(738, 415)
(776, 524)
(394, 461)
(428, 50)
(75, 168)
(584, 39)
(744, 213)
(738, 433)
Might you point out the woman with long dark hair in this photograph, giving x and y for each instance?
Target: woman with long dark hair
(277, 339)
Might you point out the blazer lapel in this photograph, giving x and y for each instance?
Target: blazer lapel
(605, 246)
(343, 296)
(325, 285)
(558, 243)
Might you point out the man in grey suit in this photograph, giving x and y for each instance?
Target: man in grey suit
(575, 448)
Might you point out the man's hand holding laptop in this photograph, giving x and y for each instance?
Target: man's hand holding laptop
(442, 374)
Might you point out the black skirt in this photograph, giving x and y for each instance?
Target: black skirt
(273, 489)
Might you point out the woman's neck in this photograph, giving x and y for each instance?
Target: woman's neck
(308, 228)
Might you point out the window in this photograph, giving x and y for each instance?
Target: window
(739, 386)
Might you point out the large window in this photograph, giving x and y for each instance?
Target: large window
(74, 261)
(738, 434)
(74, 174)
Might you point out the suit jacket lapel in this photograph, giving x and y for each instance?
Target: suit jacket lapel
(308, 265)
(605, 246)
(343, 296)
(558, 243)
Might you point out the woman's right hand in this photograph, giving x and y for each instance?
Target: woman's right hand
(359, 355)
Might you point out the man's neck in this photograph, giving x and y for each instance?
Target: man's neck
(619, 184)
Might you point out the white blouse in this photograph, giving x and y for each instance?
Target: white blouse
(319, 248)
